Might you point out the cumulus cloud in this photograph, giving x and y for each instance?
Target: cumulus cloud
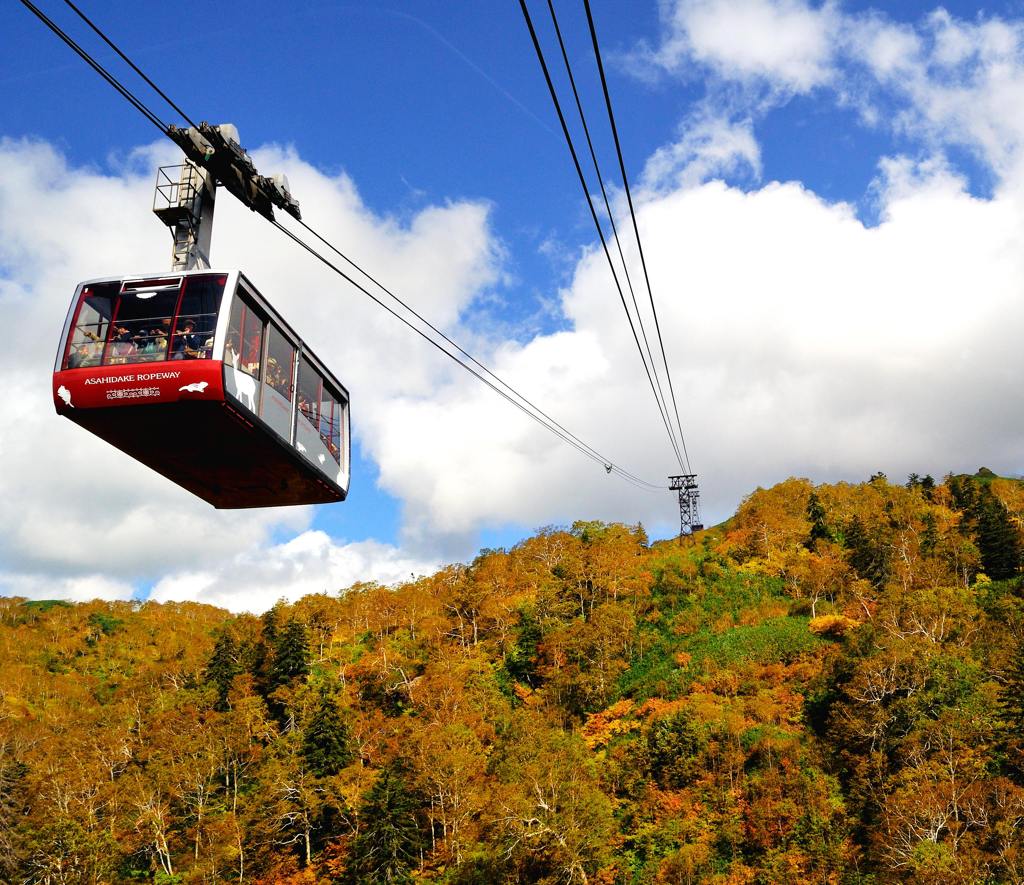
(80, 588)
(786, 41)
(957, 83)
(309, 563)
(710, 146)
(802, 340)
(940, 80)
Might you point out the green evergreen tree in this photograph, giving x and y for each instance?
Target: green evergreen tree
(262, 658)
(222, 668)
(928, 486)
(386, 848)
(930, 535)
(291, 653)
(326, 741)
(868, 552)
(816, 515)
(1011, 709)
(998, 541)
(271, 622)
(521, 658)
(965, 499)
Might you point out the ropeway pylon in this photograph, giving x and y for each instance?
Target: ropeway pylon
(689, 502)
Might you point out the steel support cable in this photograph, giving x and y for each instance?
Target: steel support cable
(130, 63)
(455, 344)
(96, 66)
(583, 448)
(604, 196)
(632, 213)
(554, 427)
(604, 243)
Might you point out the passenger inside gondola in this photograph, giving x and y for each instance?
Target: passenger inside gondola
(244, 344)
(78, 357)
(121, 346)
(188, 344)
(115, 328)
(155, 347)
(276, 377)
(93, 352)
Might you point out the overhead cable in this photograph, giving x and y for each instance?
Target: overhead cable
(607, 204)
(129, 96)
(130, 63)
(632, 213)
(455, 344)
(593, 212)
(567, 437)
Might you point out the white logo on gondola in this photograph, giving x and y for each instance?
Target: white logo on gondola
(245, 385)
(197, 387)
(321, 458)
(65, 395)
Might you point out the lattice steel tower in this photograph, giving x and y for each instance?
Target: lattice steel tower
(689, 502)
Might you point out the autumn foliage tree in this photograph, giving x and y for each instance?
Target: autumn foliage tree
(826, 688)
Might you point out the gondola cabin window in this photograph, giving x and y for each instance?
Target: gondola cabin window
(92, 322)
(196, 323)
(318, 422)
(145, 321)
(276, 394)
(243, 352)
(331, 418)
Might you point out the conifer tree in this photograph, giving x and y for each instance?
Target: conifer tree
(385, 850)
(222, 668)
(1011, 707)
(998, 541)
(869, 554)
(326, 739)
(271, 620)
(291, 653)
(930, 535)
(816, 515)
(964, 496)
(672, 746)
(263, 653)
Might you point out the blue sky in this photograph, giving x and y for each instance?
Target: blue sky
(424, 131)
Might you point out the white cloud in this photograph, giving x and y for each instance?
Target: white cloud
(941, 80)
(786, 41)
(309, 563)
(708, 147)
(889, 50)
(802, 342)
(81, 588)
(945, 81)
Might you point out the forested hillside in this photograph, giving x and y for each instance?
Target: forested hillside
(828, 688)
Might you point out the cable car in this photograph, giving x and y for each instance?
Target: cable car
(194, 374)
